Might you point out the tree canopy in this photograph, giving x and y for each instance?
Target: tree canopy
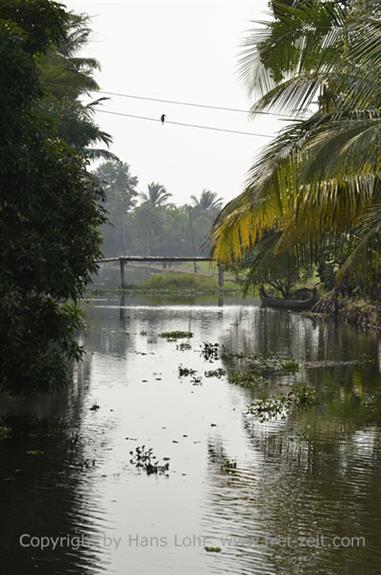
(318, 182)
(50, 209)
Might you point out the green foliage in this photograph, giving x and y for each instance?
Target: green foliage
(63, 73)
(64, 76)
(219, 372)
(40, 22)
(155, 226)
(119, 187)
(247, 379)
(318, 183)
(49, 213)
(207, 204)
(176, 334)
(156, 196)
(144, 459)
(180, 281)
(300, 397)
(273, 363)
(185, 371)
(281, 272)
(186, 282)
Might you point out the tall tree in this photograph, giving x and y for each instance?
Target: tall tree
(156, 195)
(65, 76)
(49, 211)
(63, 72)
(208, 203)
(119, 187)
(319, 181)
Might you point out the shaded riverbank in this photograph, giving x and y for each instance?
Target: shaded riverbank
(359, 313)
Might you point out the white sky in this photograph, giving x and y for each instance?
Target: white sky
(179, 50)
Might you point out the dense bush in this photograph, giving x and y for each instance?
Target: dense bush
(49, 211)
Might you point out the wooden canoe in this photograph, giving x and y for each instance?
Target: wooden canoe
(293, 304)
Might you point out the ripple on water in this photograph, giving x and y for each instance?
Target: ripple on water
(246, 486)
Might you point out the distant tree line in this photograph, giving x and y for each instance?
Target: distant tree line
(147, 223)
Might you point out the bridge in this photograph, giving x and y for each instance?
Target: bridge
(123, 261)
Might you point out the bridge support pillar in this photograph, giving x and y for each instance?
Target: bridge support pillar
(221, 277)
(123, 265)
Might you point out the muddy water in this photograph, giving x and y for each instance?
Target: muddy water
(305, 496)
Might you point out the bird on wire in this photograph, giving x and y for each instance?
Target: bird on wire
(163, 116)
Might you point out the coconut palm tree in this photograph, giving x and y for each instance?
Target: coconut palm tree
(156, 195)
(320, 178)
(208, 203)
(65, 76)
(64, 73)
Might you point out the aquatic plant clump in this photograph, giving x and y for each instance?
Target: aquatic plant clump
(185, 371)
(183, 346)
(229, 466)
(4, 432)
(247, 379)
(172, 335)
(219, 372)
(144, 459)
(273, 363)
(210, 351)
(279, 406)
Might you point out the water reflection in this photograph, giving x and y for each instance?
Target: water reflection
(315, 473)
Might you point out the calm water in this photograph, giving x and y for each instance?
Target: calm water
(66, 469)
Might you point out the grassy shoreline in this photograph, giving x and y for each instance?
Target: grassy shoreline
(176, 283)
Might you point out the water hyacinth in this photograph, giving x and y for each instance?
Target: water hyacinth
(219, 372)
(280, 405)
(210, 351)
(144, 459)
(173, 335)
(247, 379)
(185, 371)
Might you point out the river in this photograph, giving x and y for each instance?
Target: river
(286, 496)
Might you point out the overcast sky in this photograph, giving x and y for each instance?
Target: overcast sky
(179, 50)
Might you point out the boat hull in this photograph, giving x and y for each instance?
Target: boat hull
(296, 305)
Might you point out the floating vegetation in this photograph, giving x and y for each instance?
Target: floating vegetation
(144, 459)
(94, 407)
(219, 372)
(185, 371)
(183, 346)
(173, 335)
(87, 463)
(225, 355)
(210, 351)
(247, 378)
(364, 359)
(196, 380)
(264, 362)
(273, 363)
(4, 432)
(229, 466)
(280, 405)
